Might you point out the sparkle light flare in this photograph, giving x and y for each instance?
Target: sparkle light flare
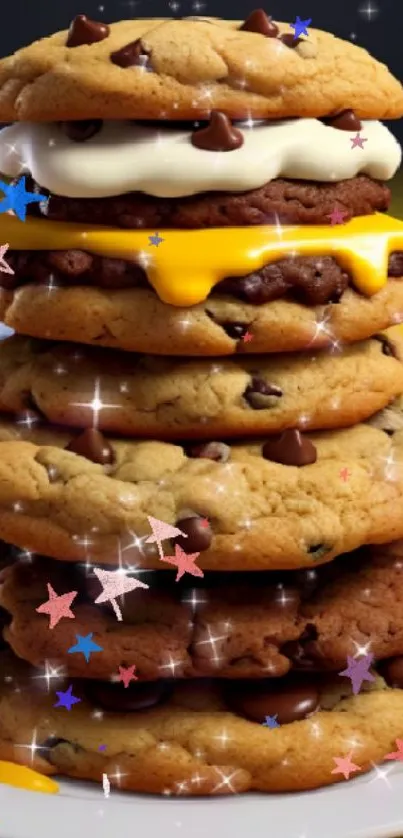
(96, 405)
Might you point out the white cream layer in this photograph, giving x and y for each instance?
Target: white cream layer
(125, 157)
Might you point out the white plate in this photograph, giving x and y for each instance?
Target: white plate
(367, 807)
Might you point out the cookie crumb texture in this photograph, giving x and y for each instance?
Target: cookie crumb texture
(275, 516)
(168, 750)
(183, 69)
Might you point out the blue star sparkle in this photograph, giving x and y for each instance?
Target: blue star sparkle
(66, 699)
(271, 722)
(300, 27)
(155, 239)
(17, 198)
(85, 645)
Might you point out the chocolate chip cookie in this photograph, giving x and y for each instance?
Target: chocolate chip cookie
(168, 398)
(197, 739)
(183, 68)
(290, 500)
(250, 626)
(284, 201)
(136, 320)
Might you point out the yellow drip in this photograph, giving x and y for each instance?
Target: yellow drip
(188, 263)
(22, 777)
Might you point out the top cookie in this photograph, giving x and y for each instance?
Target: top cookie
(183, 69)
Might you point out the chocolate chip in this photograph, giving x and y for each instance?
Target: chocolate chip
(85, 31)
(81, 130)
(294, 650)
(290, 701)
(289, 40)
(344, 121)
(220, 134)
(290, 448)
(53, 742)
(395, 267)
(388, 347)
(317, 551)
(261, 394)
(92, 445)
(261, 23)
(199, 536)
(235, 330)
(132, 55)
(135, 697)
(392, 672)
(217, 451)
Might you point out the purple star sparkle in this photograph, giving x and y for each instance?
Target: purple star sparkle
(66, 699)
(357, 670)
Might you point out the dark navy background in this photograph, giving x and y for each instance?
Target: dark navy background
(376, 25)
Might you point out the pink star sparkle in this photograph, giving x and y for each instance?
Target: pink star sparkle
(345, 766)
(56, 606)
(247, 337)
(357, 141)
(337, 216)
(161, 532)
(344, 474)
(115, 583)
(4, 266)
(185, 563)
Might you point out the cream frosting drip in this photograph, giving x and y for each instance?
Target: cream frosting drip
(128, 157)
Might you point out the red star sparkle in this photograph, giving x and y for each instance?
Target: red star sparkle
(185, 563)
(344, 474)
(247, 337)
(345, 766)
(126, 674)
(396, 754)
(56, 606)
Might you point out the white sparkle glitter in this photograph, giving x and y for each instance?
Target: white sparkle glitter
(212, 641)
(223, 738)
(361, 650)
(96, 405)
(195, 597)
(369, 10)
(33, 747)
(51, 673)
(172, 665)
(117, 776)
(225, 780)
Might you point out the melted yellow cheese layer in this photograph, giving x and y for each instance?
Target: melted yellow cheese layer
(188, 263)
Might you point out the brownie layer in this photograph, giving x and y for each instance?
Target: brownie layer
(309, 280)
(280, 200)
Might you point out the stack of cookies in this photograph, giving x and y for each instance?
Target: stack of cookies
(206, 378)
